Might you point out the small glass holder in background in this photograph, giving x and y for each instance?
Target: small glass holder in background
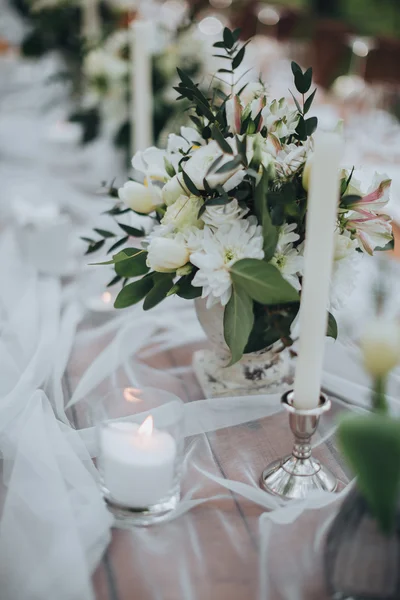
(140, 453)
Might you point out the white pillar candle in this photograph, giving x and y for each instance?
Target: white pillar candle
(141, 85)
(91, 25)
(321, 217)
(138, 463)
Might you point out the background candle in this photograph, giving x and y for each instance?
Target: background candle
(137, 464)
(323, 199)
(141, 92)
(91, 26)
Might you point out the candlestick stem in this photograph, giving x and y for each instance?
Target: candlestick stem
(295, 476)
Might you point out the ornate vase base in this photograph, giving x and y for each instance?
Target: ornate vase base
(250, 378)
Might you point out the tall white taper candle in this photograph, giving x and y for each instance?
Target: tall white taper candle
(91, 25)
(141, 85)
(322, 207)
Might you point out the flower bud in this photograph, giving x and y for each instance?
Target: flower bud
(140, 198)
(165, 255)
(173, 189)
(380, 346)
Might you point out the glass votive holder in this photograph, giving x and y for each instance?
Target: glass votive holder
(140, 453)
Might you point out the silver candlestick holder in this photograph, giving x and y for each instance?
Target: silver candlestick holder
(295, 476)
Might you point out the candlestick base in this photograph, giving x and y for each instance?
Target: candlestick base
(295, 476)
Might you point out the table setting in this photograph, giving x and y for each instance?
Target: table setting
(200, 345)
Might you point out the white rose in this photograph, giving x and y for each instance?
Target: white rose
(215, 216)
(380, 346)
(139, 197)
(199, 164)
(165, 255)
(173, 189)
(183, 213)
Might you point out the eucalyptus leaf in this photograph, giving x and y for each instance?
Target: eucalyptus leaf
(132, 231)
(133, 292)
(332, 328)
(117, 244)
(228, 38)
(134, 266)
(311, 125)
(190, 185)
(263, 282)
(104, 233)
(185, 288)
(221, 141)
(238, 322)
(231, 165)
(309, 101)
(163, 282)
(94, 247)
(237, 61)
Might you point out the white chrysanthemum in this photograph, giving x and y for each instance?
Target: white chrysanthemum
(183, 214)
(220, 250)
(216, 216)
(288, 259)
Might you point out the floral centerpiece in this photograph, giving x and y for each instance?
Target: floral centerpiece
(228, 200)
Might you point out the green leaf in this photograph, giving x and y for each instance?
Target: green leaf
(332, 329)
(189, 184)
(228, 38)
(94, 247)
(309, 101)
(219, 45)
(163, 282)
(295, 68)
(104, 233)
(388, 246)
(231, 165)
(221, 141)
(114, 280)
(311, 125)
(133, 292)
(371, 445)
(263, 282)
(185, 288)
(120, 242)
(296, 102)
(307, 80)
(214, 164)
(270, 232)
(132, 231)
(301, 129)
(134, 266)
(236, 34)
(237, 61)
(345, 183)
(238, 322)
(225, 71)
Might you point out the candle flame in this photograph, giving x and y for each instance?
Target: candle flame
(106, 297)
(131, 394)
(146, 427)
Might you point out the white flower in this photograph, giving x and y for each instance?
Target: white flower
(380, 346)
(183, 213)
(143, 199)
(216, 216)
(290, 158)
(151, 164)
(287, 258)
(280, 119)
(165, 255)
(173, 189)
(198, 166)
(345, 270)
(220, 250)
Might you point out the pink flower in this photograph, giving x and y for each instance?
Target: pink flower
(372, 230)
(376, 198)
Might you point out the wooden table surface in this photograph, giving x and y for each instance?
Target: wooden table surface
(216, 545)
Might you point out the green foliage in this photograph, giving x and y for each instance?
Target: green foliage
(371, 445)
(270, 232)
(238, 322)
(133, 292)
(162, 284)
(332, 329)
(263, 282)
